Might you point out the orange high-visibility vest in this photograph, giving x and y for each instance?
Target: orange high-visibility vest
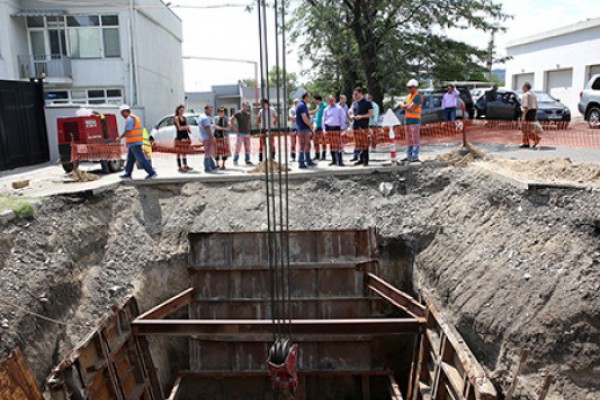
(415, 112)
(136, 134)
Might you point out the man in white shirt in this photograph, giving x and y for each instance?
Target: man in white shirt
(334, 122)
(268, 121)
(529, 106)
(450, 102)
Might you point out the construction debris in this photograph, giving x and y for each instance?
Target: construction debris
(271, 165)
(462, 156)
(20, 184)
(78, 175)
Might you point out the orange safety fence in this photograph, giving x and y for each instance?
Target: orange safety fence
(554, 134)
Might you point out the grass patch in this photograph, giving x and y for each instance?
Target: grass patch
(20, 205)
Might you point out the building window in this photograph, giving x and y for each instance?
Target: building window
(94, 36)
(111, 96)
(87, 36)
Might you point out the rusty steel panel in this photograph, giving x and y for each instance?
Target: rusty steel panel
(111, 363)
(16, 379)
(310, 308)
(243, 249)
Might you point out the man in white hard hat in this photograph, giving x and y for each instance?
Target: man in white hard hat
(412, 120)
(134, 139)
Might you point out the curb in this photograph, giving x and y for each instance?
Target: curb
(294, 176)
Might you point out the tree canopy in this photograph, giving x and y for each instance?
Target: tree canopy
(383, 43)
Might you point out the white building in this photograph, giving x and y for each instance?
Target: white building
(95, 53)
(559, 61)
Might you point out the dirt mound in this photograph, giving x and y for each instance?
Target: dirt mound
(547, 170)
(270, 165)
(462, 156)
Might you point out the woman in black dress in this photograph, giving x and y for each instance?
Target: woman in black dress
(182, 140)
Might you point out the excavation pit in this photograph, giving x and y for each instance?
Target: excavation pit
(359, 337)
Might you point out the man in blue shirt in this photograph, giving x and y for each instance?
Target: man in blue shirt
(208, 139)
(304, 130)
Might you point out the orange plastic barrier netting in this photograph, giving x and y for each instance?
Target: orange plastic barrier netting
(554, 134)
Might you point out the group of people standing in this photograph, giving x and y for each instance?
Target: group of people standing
(311, 131)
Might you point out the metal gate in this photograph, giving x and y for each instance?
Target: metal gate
(23, 135)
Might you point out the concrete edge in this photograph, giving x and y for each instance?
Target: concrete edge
(88, 192)
(320, 173)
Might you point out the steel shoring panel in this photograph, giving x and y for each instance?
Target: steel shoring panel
(216, 328)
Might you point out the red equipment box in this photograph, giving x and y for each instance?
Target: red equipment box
(86, 130)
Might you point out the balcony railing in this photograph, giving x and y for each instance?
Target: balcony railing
(52, 66)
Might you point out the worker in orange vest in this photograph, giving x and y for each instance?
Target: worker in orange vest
(134, 139)
(412, 121)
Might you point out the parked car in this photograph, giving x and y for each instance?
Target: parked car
(166, 131)
(508, 107)
(432, 109)
(465, 96)
(589, 104)
(478, 92)
(550, 109)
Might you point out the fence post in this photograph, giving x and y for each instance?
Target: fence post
(393, 146)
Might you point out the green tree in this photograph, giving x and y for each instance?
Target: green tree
(382, 43)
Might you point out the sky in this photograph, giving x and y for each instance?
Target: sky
(224, 29)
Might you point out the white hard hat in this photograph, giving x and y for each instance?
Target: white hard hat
(124, 107)
(412, 83)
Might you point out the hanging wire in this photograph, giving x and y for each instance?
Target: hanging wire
(276, 182)
(287, 197)
(279, 174)
(262, 48)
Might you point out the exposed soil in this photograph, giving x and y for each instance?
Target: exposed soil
(511, 268)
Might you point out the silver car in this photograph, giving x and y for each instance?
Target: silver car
(589, 106)
(165, 130)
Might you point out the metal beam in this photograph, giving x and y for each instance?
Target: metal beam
(395, 296)
(260, 374)
(217, 329)
(169, 306)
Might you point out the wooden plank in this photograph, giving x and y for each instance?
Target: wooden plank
(175, 392)
(481, 383)
(177, 327)
(108, 360)
(395, 296)
(395, 393)
(515, 381)
(16, 379)
(366, 387)
(169, 306)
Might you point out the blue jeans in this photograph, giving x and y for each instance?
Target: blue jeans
(209, 154)
(450, 113)
(135, 152)
(413, 141)
(304, 147)
(242, 139)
